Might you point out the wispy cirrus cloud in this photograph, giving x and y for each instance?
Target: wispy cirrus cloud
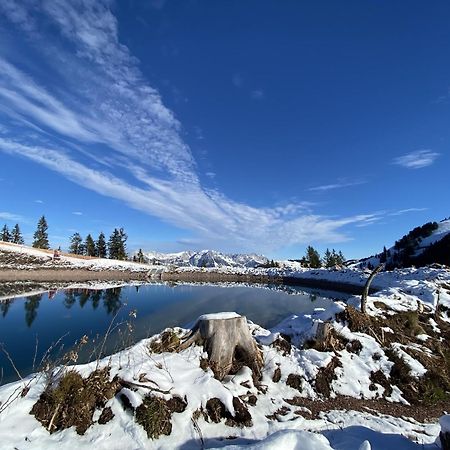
(10, 217)
(106, 129)
(417, 159)
(407, 210)
(338, 185)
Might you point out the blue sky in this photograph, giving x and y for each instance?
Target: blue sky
(257, 126)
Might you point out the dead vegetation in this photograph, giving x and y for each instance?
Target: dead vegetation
(155, 414)
(73, 400)
(168, 341)
(433, 353)
(216, 412)
(282, 344)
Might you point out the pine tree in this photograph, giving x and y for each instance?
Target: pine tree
(16, 235)
(76, 242)
(5, 235)
(100, 246)
(328, 259)
(340, 259)
(41, 236)
(89, 245)
(122, 247)
(113, 244)
(116, 244)
(313, 257)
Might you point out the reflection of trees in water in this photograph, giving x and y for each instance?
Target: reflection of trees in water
(95, 298)
(84, 297)
(31, 306)
(69, 298)
(111, 300)
(4, 306)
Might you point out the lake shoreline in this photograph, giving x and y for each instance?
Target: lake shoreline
(55, 275)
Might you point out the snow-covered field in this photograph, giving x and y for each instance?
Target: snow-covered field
(281, 405)
(343, 395)
(180, 374)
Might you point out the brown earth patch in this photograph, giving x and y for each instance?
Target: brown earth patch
(325, 376)
(73, 400)
(423, 414)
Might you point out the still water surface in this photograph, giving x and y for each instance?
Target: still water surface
(43, 319)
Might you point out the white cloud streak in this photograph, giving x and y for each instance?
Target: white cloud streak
(11, 217)
(405, 211)
(417, 159)
(108, 112)
(337, 185)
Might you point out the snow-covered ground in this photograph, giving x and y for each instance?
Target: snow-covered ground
(359, 362)
(280, 415)
(32, 258)
(275, 423)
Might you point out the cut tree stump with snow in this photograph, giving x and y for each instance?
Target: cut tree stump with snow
(227, 340)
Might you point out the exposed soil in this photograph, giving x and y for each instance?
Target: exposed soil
(421, 413)
(58, 274)
(216, 412)
(325, 376)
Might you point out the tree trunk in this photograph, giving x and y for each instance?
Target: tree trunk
(366, 288)
(227, 340)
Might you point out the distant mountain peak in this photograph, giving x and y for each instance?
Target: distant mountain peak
(205, 258)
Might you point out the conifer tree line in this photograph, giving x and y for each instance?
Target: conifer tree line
(114, 248)
(330, 259)
(14, 235)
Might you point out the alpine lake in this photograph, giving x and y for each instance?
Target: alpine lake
(41, 328)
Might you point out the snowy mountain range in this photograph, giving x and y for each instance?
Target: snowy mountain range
(205, 258)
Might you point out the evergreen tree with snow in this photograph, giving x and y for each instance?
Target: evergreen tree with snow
(40, 237)
(100, 246)
(16, 235)
(312, 257)
(89, 246)
(76, 244)
(5, 235)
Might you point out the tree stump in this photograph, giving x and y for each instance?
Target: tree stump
(227, 340)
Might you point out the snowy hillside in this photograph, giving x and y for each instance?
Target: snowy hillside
(205, 258)
(426, 244)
